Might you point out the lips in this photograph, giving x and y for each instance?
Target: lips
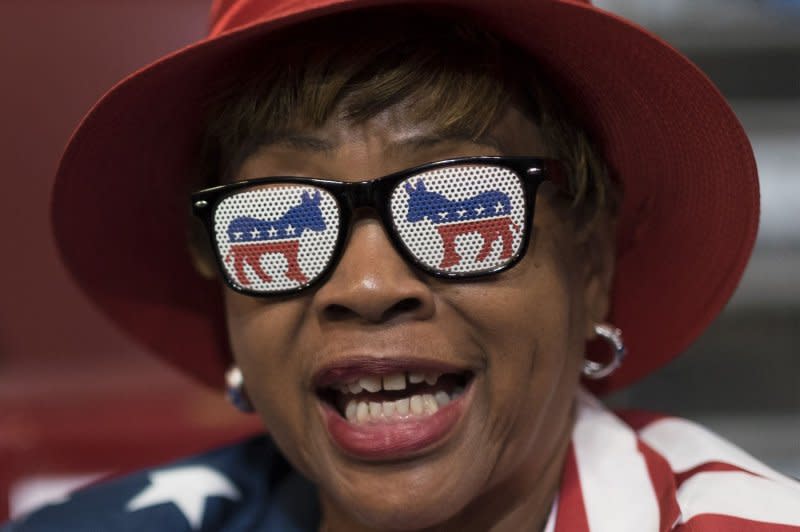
(378, 409)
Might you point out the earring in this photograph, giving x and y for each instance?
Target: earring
(236, 393)
(596, 370)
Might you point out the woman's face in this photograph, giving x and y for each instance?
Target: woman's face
(514, 343)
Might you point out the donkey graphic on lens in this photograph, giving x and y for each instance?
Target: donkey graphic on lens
(252, 238)
(486, 213)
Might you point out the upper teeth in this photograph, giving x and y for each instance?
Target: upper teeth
(371, 384)
(395, 381)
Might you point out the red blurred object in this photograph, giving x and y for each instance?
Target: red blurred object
(75, 395)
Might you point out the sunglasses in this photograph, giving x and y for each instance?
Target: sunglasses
(454, 219)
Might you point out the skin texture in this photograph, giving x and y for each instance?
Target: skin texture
(521, 332)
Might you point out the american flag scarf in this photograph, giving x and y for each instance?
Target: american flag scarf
(630, 472)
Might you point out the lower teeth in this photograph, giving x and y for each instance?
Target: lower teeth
(416, 405)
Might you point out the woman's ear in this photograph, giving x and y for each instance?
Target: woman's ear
(200, 250)
(598, 248)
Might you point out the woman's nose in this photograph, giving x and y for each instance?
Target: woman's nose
(372, 283)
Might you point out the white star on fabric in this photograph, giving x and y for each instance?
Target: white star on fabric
(461, 213)
(237, 235)
(479, 210)
(254, 233)
(272, 231)
(442, 215)
(498, 207)
(187, 488)
(289, 229)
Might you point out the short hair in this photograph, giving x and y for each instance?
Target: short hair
(454, 73)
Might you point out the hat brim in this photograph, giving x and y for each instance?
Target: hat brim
(687, 223)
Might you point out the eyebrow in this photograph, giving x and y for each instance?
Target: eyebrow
(419, 142)
(308, 142)
(299, 141)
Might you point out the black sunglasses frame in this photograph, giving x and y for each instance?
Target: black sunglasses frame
(376, 194)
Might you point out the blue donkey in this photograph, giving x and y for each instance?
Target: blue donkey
(252, 238)
(487, 213)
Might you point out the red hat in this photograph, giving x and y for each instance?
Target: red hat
(687, 222)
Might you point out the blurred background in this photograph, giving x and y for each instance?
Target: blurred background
(79, 400)
(742, 378)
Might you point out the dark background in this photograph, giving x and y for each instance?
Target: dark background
(77, 397)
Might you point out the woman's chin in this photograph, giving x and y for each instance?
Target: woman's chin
(403, 506)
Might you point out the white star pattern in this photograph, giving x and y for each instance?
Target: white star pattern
(237, 235)
(479, 210)
(272, 231)
(442, 215)
(289, 229)
(187, 488)
(498, 207)
(255, 233)
(461, 212)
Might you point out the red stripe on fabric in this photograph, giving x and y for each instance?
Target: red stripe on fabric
(639, 419)
(571, 515)
(663, 480)
(727, 523)
(683, 476)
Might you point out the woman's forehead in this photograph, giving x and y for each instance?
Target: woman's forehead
(385, 143)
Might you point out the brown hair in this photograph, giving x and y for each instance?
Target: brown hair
(454, 73)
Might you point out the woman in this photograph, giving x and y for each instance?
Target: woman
(416, 240)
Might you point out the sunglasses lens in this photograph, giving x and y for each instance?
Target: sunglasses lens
(276, 238)
(465, 219)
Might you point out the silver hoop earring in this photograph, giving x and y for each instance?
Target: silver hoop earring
(597, 370)
(236, 393)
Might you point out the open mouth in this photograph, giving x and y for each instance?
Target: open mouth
(392, 408)
(394, 397)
